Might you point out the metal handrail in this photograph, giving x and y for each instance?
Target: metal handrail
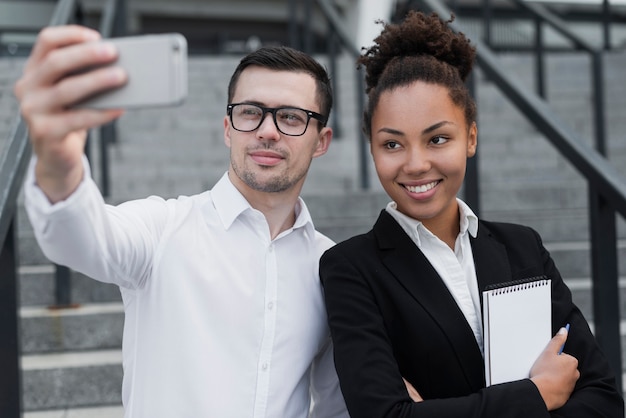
(14, 161)
(334, 20)
(538, 10)
(13, 164)
(606, 199)
(12, 169)
(542, 15)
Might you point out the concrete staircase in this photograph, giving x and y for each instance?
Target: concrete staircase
(72, 358)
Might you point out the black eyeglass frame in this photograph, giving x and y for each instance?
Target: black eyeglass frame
(309, 113)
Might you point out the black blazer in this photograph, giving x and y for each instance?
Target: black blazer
(391, 316)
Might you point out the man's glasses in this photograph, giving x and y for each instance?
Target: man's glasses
(292, 121)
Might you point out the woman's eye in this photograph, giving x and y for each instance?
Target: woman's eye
(391, 145)
(438, 140)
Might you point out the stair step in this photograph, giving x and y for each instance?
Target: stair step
(80, 379)
(36, 287)
(86, 327)
(71, 379)
(98, 412)
(99, 326)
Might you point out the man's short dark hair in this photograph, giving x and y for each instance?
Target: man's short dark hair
(283, 58)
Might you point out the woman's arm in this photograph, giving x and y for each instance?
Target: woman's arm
(369, 374)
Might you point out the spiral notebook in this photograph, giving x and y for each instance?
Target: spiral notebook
(517, 318)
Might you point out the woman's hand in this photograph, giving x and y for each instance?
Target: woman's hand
(555, 374)
(412, 392)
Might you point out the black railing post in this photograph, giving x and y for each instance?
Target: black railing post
(120, 24)
(62, 287)
(332, 58)
(605, 290)
(10, 376)
(308, 29)
(362, 141)
(471, 188)
(597, 71)
(539, 59)
(487, 22)
(294, 38)
(606, 24)
(108, 135)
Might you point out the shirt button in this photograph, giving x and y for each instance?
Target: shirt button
(264, 366)
(270, 306)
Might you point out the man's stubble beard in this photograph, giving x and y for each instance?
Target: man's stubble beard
(275, 184)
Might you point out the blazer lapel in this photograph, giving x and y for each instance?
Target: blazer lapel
(490, 259)
(411, 268)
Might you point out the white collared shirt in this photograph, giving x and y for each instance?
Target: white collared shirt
(456, 268)
(220, 320)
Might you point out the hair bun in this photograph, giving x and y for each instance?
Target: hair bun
(418, 34)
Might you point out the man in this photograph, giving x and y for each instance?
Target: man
(224, 311)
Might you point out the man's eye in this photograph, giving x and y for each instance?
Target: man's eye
(292, 117)
(250, 112)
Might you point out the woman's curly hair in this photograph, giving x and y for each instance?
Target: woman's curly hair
(420, 48)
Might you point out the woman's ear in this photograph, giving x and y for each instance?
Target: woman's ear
(472, 139)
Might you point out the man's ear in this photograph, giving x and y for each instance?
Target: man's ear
(227, 131)
(324, 138)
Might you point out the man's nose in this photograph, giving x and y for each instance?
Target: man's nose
(268, 129)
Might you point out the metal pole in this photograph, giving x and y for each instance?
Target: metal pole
(605, 291)
(108, 134)
(120, 25)
(62, 288)
(606, 23)
(308, 31)
(471, 187)
(597, 70)
(10, 377)
(539, 59)
(332, 56)
(294, 39)
(487, 22)
(362, 141)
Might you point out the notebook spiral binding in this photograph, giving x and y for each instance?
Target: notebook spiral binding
(516, 285)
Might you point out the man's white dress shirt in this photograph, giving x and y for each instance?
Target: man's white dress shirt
(220, 320)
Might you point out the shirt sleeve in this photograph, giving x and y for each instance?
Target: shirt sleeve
(112, 244)
(326, 397)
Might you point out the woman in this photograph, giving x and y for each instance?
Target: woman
(403, 300)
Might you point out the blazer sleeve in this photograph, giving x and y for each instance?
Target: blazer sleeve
(369, 376)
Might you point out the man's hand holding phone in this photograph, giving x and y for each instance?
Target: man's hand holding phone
(156, 67)
(60, 100)
(47, 91)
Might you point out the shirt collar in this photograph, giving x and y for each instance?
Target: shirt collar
(229, 204)
(468, 221)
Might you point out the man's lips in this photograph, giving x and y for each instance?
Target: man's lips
(266, 157)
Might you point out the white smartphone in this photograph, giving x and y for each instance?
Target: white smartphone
(157, 73)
